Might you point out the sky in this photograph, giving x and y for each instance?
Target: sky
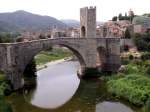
(70, 9)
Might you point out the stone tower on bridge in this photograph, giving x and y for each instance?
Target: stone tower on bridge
(88, 22)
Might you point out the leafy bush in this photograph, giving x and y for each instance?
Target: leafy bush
(135, 88)
(142, 41)
(127, 34)
(130, 68)
(147, 71)
(134, 83)
(138, 67)
(5, 89)
(131, 57)
(145, 56)
(125, 61)
(4, 107)
(7, 37)
(147, 106)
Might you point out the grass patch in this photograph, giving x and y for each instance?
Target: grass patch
(47, 56)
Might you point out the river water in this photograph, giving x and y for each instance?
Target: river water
(58, 89)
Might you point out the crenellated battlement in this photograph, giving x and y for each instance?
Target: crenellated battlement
(92, 7)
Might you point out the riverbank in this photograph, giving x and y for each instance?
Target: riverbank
(132, 83)
(52, 55)
(40, 67)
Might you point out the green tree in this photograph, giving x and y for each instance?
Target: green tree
(6, 37)
(120, 17)
(114, 18)
(145, 56)
(146, 14)
(125, 14)
(131, 15)
(127, 34)
(131, 57)
(126, 17)
(142, 41)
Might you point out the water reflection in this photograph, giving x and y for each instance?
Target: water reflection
(112, 107)
(91, 96)
(55, 85)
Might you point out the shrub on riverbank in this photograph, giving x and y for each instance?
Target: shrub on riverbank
(4, 107)
(145, 56)
(137, 67)
(142, 41)
(135, 88)
(5, 87)
(134, 83)
(147, 106)
(4, 90)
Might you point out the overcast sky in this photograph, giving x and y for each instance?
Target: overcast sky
(69, 9)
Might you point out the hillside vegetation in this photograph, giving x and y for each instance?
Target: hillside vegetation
(142, 20)
(22, 20)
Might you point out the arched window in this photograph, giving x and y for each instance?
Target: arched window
(83, 31)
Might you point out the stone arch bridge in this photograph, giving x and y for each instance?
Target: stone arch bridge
(101, 53)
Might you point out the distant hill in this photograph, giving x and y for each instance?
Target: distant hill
(142, 20)
(71, 22)
(22, 20)
(75, 23)
(7, 27)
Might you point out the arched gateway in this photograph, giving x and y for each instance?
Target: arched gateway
(15, 56)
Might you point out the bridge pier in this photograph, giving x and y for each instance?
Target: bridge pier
(112, 63)
(15, 78)
(87, 72)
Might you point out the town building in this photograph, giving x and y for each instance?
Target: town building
(115, 28)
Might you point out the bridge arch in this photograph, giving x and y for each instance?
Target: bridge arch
(77, 54)
(75, 51)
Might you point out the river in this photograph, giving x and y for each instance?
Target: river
(59, 89)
